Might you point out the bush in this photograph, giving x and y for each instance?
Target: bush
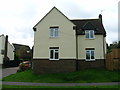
(24, 66)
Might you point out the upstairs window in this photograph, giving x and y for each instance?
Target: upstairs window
(53, 31)
(89, 34)
(54, 53)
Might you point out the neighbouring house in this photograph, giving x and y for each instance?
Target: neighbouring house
(64, 45)
(22, 52)
(6, 50)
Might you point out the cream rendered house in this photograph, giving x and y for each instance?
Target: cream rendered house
(63, 45)
(9, 51)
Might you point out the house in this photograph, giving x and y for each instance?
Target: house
(64, 45)
(22, 52)
(6, 49)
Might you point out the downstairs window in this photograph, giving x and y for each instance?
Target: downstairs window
(54, 53)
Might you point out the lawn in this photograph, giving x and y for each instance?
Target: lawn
(83, 76)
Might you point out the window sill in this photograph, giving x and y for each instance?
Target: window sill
(53, 59)
(90, 38)
(89, 59)
(53, 37)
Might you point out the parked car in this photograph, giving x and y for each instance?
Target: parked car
(24, 65)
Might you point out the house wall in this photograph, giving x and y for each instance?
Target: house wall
(67, 46)
(99, 43)
(2, 43)
(66, 40)
(66, 43)
(96, 43)
(47, 66)
(10, 52)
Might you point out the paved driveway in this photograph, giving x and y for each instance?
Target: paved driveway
(9, 71)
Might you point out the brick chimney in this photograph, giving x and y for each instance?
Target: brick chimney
(100, 18)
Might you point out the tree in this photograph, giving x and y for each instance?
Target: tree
(113, 45)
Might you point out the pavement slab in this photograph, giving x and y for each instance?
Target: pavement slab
(60, 84)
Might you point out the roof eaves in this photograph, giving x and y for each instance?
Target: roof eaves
(43, 17)
(83, 19)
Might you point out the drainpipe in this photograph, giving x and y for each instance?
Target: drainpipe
(100, 18)
(76, 51)
(104, 50)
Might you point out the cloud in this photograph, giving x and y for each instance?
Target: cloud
(17, 17)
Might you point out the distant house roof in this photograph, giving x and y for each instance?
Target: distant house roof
(89, 24)
(1, 35)
(18, 46)
(22, 51)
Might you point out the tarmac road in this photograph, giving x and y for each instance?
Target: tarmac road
(9, 71)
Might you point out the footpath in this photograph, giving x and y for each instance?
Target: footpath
(60, 84)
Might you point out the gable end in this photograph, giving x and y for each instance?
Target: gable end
(48, 13)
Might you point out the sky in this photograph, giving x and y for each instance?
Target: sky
(18, 17)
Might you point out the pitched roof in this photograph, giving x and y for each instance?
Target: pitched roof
(87, 24)
(18, 46)
(83, 24)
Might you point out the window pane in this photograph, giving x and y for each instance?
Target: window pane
(87, 54)
(56, 32)
(56, 55)
(51, 54)
(51, 32)
(91, 34)
(56, 50)
(87, 34)
(92, 55)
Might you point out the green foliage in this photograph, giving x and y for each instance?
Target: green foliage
(85, 76)
(21, 52)
(112, 46)
(22, 67)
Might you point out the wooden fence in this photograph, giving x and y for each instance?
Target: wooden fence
(113, 59)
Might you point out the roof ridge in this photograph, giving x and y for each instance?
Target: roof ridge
(85, 19)
(19, 44)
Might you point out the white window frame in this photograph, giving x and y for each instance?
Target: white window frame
(54, 51)
(90, 55)
(89, 34)
(54, 32)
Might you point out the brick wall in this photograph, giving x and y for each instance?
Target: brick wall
(53, 66)
(98, 63)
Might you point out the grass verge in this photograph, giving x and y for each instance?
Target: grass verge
(83, 76)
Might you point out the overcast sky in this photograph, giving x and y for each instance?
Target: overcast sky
(17, 17)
